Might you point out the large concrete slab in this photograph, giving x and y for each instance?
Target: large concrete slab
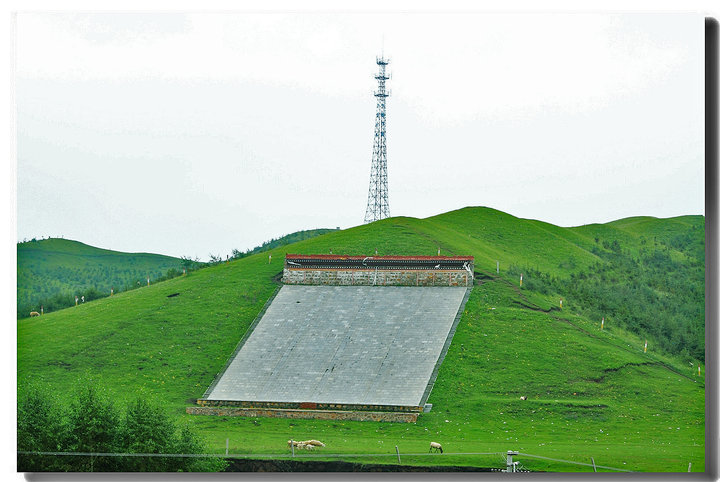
(343, 344)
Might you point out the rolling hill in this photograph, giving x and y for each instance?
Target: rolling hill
(55, 267)
(51, 272)
(590, 392)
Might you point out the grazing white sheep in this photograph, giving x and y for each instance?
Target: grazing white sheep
(315, 443)
(34, 313)
(305, 445)
(436, 446)
(523, 397)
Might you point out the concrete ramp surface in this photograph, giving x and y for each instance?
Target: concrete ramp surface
(343, 344)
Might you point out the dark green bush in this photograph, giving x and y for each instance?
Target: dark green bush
(93, 424)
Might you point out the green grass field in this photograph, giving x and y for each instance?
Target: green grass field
(591, 393)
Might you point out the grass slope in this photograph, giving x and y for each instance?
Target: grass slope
(55, 266)
(591, 393)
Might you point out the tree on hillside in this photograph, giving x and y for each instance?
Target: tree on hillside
(146, 429)
(40, 428)
(92, 427)
(92, 423)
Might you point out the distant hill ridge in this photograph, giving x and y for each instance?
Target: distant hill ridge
(50, 269)
(62, 245)
(51, 272)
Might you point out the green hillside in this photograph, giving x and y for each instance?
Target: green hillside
(50, 268)
(591, 393)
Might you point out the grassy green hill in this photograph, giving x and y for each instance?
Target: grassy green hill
(591, 393)
(50, 268)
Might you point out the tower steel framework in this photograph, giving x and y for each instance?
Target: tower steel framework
(377, 205)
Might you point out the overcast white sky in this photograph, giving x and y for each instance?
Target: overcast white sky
(199, 133)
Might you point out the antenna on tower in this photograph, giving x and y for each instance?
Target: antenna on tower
(377, 205)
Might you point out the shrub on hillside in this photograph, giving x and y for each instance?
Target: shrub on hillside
(92, 427)
(147, 430)
(40, 428)
(93, 424)
(649, 294)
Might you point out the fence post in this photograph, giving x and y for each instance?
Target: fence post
(689, 465)
(292, 444)
(397, 451)
(227, 445)
(509, 463)
(593, 461)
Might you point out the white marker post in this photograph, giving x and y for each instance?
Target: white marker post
(41, 313)
(76, 300)
(602, 323)
(645, 349)
(148, 280)
(438, 251)
(112, 291)
(561, 304)
(520, 279)
(183, 271)
(269, 258)
(497, 268)
(698, 370)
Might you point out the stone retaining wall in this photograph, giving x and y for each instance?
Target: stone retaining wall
(342, 407)
(305, 414)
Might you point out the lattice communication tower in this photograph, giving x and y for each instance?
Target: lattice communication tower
(377, 205)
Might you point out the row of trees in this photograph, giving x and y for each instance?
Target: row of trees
(63, 300)
(281, 241)
(92, 423)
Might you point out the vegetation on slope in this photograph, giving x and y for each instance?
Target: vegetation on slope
(652, 282)
(282, 241)
(51, 272)
(93, 423)
(591, 393)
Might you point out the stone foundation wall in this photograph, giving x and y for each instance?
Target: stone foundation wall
(305, 414)
(342, 407)
(378, 277)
